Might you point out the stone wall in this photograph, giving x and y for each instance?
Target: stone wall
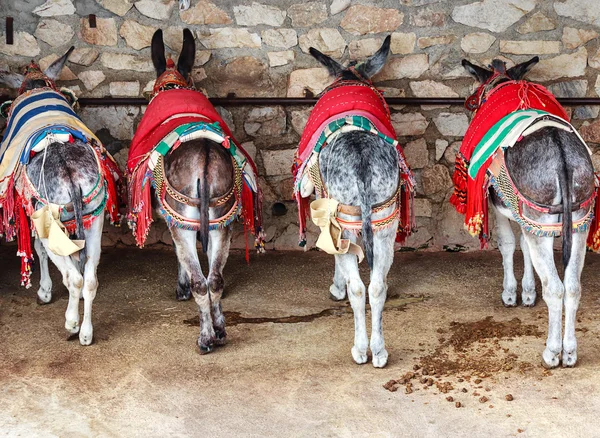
(260, 49)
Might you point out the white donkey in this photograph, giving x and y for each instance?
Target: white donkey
(69, 173)
(552, 171)
(361, 170)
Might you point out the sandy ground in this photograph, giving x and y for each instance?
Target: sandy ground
(144, 377)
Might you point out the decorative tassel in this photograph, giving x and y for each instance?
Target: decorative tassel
(24, 243)
(593, 240)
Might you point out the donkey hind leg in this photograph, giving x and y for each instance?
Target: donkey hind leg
(73, 281)
(348, 264)
(506, 244)
(528, 293)
(572, 295)
(187, 256)
(218, 251)
(184, 288)
(383, 257)
(44, 293)
(93, 240)
(337, 291)
(542, 256)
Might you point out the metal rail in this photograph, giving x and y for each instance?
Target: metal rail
(288, 101)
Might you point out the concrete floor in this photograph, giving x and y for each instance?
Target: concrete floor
(143, 376)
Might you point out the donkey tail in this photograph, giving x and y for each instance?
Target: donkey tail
(365, 207)
(565, 179)
(204, 195)
(77, 200)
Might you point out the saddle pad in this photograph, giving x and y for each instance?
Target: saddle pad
(34, 116)
(507, 132)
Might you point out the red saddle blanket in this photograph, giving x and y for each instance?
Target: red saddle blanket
(341, 100)
(166, 111)
(346, 98)
(470, 195)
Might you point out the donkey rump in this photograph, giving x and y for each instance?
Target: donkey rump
(513, 109)
(175, 116)
(38, 118)
(345, 106)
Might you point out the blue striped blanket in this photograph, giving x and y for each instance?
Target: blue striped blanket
(37, 118)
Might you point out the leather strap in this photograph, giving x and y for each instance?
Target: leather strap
(195, 202)
(353, 210)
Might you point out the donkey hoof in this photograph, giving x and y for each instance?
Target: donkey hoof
(86, 339)
(528, 299)
(220, 337)
(205, 349)
(509, 300)
(44, 298)
(550, 360)
(359, 358)
(380, 360)
(336, 294)
(569, 359)
(183, 294)
(72, 327)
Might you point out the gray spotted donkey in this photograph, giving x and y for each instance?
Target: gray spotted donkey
(361, 169)
(66, 171)
(550, 167)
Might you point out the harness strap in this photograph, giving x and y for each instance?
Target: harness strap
(353, 210)
(172, 216)
(195, 202)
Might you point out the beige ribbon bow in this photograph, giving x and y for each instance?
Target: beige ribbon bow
(323, 213)
(48, 226)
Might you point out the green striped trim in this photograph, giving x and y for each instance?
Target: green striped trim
(493, 139)
(358, 121)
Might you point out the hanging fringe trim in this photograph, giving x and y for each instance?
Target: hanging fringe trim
(24, 242)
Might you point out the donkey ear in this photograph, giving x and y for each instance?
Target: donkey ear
(53, 71)
(13, 80)
(518, 71)
(332, 66)
(479, 73)
(158, 53)
(188, 52)
(375, 63)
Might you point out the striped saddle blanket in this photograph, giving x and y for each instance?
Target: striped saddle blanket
(37, 118)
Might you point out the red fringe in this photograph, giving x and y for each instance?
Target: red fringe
(24, 241)
(114, 185)
(303, 212)
(140, 204)
(407, 223)
(247, 215)
(593, 240)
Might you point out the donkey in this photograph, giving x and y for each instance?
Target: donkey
(199, 169)
(360, 169)
(63, 174)
(551, 167)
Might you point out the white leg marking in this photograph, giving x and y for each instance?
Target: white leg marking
(338, 288)
(572, 296)
(383, 257)
(542, 257)
(528, 294)
(506, 244)
(93, 240)
(45, 291)
(73, 281)
(218, 252)
(187, 255)
(357, 294)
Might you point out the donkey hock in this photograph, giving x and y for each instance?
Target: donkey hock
(537, 171)
(202, 181)
(352, 157)
(54, 169)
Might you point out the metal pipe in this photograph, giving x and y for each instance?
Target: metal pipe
(287, 101)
